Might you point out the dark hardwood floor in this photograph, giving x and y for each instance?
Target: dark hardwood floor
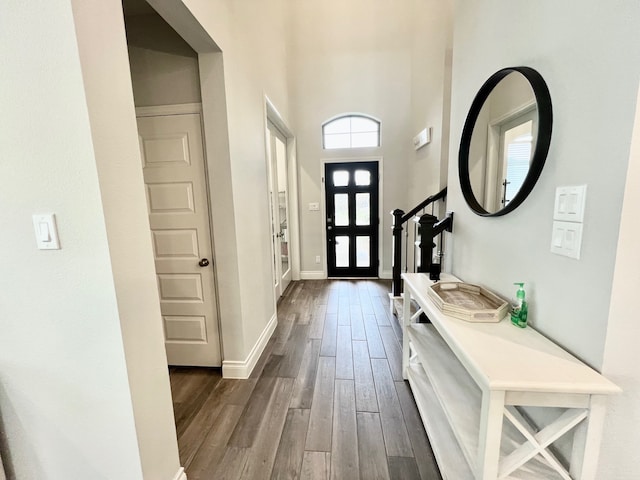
(325, 401)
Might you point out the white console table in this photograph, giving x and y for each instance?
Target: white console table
(469, 380)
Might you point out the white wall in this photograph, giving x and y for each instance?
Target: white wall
(251, 37)
(358, 57)
(69, 402)
(590, 59)
(294, 63)
(100, 28)
(255, 65)
(619, 459)
(164, 68)
(593, 84)
(430, 90)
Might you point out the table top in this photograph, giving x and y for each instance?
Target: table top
(501, 356)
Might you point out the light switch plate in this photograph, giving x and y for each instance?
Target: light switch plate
(46, 231)
(314, 206)
(569, 204)
(566, 239)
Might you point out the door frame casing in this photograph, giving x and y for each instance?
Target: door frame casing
(323, 205)
(190, 109)
(271, 114)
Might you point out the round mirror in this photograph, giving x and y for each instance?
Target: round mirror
(505, 141)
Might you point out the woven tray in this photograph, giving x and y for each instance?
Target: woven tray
(468, 302)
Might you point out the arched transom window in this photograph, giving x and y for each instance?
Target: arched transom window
(351, 131)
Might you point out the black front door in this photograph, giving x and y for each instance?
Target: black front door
(352, 219)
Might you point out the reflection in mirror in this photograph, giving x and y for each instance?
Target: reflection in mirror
(501, 143)
(505, 141)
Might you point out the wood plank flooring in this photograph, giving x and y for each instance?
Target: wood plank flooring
(325, 401)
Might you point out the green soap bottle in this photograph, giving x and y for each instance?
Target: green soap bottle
(520, 309)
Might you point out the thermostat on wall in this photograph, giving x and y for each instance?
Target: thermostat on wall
(422, 138)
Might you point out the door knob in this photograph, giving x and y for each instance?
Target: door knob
(204, 262)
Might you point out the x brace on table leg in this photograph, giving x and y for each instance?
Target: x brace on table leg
(537, 442)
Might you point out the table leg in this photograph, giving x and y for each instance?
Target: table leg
(586, 441)
(406, 321)
(490, 435)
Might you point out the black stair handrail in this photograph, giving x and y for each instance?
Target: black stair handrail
(424, 204)
(429, 228)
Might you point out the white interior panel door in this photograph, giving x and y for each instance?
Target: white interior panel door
(174, 175)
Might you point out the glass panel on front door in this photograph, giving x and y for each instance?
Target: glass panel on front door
(341, 209)
(363, 208)
(342, 251)
(340, 178)
(363, 177)
(352, 219)
(362, 251)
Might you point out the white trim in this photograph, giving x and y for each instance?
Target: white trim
(177, 109)
(242, 369)
(294, 208)
(273, 114)
(515, 112)
(386, 274)
(313, 275)
(181, 475)
(351, 114)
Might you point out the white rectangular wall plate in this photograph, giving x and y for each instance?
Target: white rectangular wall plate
(422, 138)
(569, 204)
(46, 230)
(566, 239)
(314, 206)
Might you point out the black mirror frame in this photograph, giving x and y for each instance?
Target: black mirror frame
(545, 124)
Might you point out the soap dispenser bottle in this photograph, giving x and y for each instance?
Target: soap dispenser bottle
(520, 309)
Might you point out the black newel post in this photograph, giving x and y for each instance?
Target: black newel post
(427, 233)
(397, 252)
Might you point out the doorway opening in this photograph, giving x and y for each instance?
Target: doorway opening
(172, 151)
(166, 85)
(282, 188)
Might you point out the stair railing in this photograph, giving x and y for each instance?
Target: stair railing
(428, 228)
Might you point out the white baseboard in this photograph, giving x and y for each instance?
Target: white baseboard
(386, 274)
(181, 475)
(313, 275)
(320, 275)
(242, 369)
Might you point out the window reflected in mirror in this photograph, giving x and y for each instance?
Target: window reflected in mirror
(502, 142)
(515, 143)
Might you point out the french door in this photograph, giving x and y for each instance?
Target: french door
(279, 203)
(352, 219)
